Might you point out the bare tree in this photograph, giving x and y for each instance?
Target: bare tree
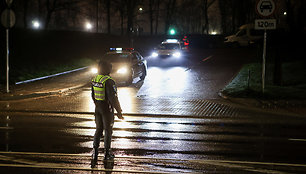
(130, 6)
(296, 13)
(205, 5)
(153, 15)
(170, 10)
(225, 12)
(157, 15)
(151, 2)
(108, 9)
(120, 6)
(97, 15)
(25, 13)
(52, 6)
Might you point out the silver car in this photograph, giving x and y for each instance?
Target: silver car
(170, 47)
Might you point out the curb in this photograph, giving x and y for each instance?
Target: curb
(290, 108)
(38, 94)
(11, 97)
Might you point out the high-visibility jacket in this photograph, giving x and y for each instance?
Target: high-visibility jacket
(98, 84)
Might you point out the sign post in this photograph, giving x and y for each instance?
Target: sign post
(8, 21)
(265, 8)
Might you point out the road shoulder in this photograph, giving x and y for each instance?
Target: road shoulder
(283, 107)
(46, 87)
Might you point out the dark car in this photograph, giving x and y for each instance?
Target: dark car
(127, 64)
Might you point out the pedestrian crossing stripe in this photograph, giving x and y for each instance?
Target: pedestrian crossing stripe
(79, 168)
(165, 159)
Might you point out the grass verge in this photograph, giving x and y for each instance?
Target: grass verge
(30, 70)
(248, 82)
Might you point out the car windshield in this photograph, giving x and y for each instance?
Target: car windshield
(118, 57)
(169, 46)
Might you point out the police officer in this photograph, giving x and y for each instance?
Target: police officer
(104, 95)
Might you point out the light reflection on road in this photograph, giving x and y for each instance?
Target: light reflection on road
(126, 138)
(169, 81)
(126, 97)
(166, 81)
(87, 103)
(160, 82)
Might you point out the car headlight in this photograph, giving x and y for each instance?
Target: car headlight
(177, 54)
(122, 70)
(94, 70)
(154, 54)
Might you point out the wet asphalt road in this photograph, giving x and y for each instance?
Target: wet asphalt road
(56, 142)
(175, 122)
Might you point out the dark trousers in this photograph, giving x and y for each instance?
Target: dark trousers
(104, 121)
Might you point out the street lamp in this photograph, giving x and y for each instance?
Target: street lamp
(213, 33)
(35, 24)
(88, 26)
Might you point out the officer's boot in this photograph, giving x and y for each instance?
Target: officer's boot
(108, 155)
(94, 157)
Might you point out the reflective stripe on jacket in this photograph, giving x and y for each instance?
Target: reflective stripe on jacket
(98, 84)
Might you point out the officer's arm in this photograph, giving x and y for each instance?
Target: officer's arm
(92, 94)
(111, 92)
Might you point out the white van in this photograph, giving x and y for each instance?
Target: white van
(245, 36)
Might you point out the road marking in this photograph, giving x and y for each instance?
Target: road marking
(6, 128)
(33, 164)
(246, 168)
(89, 115)
(170, 159)
(40, 78)
(79, 168)
(207, 58)
(292, 139)
(254, 162)
(24, 161)
(203, 60)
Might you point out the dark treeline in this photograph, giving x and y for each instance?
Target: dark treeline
(151, 16)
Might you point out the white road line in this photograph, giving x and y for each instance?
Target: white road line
(89, 115)
(24, 161)
(166, 159)
(40, 78)
(6, 128)
(207, 58)
(79, 168)
(246, 168)
(293, 139)
(255, 163)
